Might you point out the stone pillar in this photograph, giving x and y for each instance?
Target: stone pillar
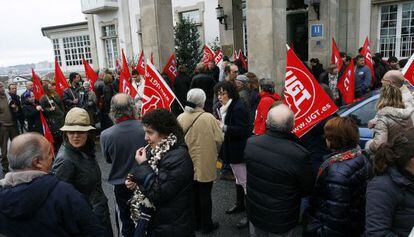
(321, 47)
(157, 30)
(126, 41)
(232, 38)
(92, 37)
(266, 38)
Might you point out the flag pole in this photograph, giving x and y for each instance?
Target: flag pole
(182, 107)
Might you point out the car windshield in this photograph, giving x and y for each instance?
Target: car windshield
(344, 108)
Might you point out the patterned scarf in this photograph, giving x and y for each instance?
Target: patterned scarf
(350, 154)
(141, 206)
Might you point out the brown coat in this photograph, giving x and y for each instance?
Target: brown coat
(6, 118)
(203, 140)
(389, 122)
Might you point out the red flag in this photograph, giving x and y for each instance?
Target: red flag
(157, 93)
(208, 55)
(46, 131)
(304, 96)
(171, 68)
(141, 64)
(243, 60)
(124, 79)
(218, 57)
(408, 70)
(336, 56)
(90, 73)
(37, 86)
(366, 52)
(346, 84)
(152, 58)
(60, 80)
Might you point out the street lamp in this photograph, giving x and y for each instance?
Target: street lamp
(221, 16)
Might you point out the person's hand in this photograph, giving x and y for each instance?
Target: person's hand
(221, 124)
(52, 108)
(39, 108)
(371, 123)
(13, 106)
(141, 155)
(75, 101)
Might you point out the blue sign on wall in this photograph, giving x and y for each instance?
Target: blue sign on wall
(317, 30)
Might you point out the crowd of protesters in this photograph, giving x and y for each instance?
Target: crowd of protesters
(164, 164)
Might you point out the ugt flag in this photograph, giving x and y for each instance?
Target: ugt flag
(336, 56)
(90, 73)
(218, 57)
(366, 52)
(60, 80)
(208, 55)
(157, 93)
(408, 70)
(124, 77)
(346, 84)
(171, 69)
(304, 96)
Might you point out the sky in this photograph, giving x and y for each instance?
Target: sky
(21, 40)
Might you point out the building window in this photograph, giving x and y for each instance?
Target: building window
(56, 50)
(193, 16)
(111, 49)
(76, 48)
(397, 30)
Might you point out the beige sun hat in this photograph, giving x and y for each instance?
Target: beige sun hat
(77, 120)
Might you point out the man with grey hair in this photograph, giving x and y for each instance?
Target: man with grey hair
(279, 174)
(33, 202)
(117, 142)
(8, 127)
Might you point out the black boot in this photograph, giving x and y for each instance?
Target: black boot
(239, 206)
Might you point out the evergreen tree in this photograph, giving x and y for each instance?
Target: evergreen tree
(187, 44)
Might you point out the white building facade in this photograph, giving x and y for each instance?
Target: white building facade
(71, 43)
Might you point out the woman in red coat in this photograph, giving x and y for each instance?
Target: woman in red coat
(267, 98)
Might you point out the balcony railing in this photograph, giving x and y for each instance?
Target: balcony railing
(98, 6)
(400, 47)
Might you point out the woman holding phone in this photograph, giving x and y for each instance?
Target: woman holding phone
(162, 203)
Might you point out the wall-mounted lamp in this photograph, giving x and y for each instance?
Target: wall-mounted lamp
(316, 4)
(221, 17)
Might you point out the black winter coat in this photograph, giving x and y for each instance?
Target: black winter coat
(279, 174)
(46, 207)
(80, 168)
(16, 112)
(170, 191)
(390, 204)
(206, 83)
(70, 94)
(32, 116)
(238, 131)
(338, 199)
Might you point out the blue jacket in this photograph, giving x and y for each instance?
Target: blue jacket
(390, 204)
(363, 79)
(46, 207)
(338, 199)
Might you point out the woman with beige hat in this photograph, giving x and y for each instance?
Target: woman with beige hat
(76, 164)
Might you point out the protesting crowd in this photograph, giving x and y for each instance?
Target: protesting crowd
(164, 152)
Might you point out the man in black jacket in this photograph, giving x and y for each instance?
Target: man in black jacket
(16, 107)
(34, 202)
(75, 95)
(206, 83)
(279, 174)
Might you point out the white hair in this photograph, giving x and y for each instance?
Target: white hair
(197, 97)
(280, 118)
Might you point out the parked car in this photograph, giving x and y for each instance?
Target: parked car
(362, 111)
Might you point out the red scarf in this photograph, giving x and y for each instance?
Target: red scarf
(124, 118)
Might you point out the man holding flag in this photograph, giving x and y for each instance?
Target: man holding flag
(363, 77)
(75, 95)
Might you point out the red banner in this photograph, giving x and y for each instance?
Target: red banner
(90, 73)
(218, 57)
(243, 60)
(171, 68)
(141, 64)
(304, 96)
(336, 56)
(60, 80)
(408, 70)
(37, 86)
(366, 52)
(124, 79)
(152, 58)
(46, 131)
(157, 93)
(208, 55)
(346, 84)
